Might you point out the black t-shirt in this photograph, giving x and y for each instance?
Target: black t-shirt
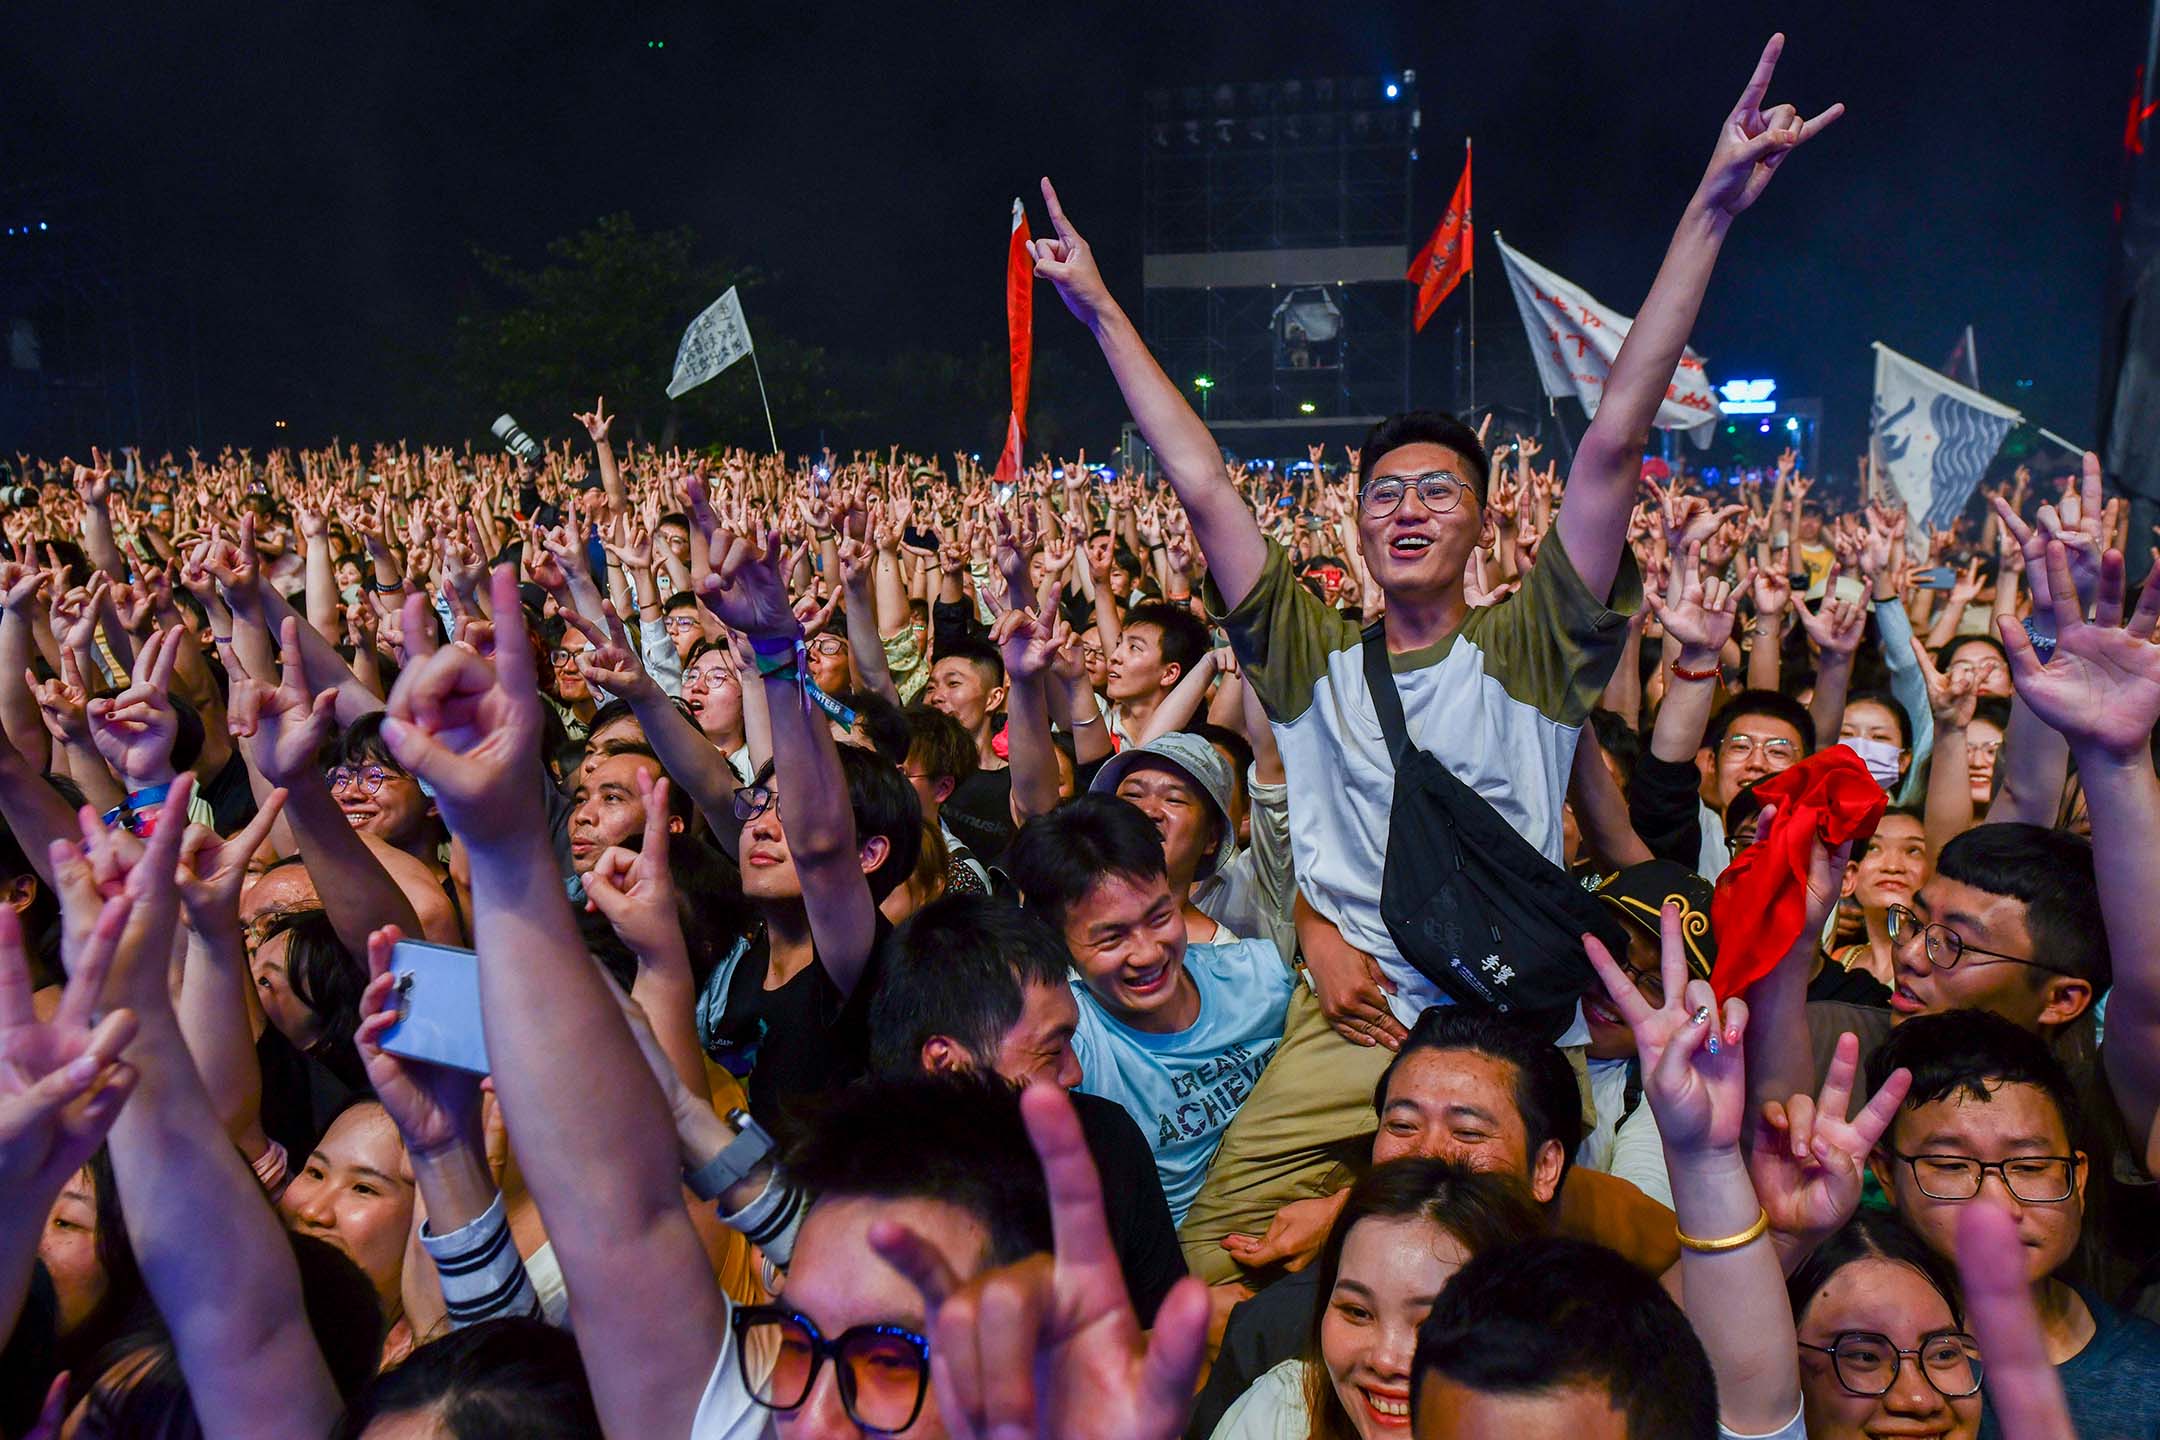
(798, 1040)
(227, 793)
(979, 814)
(1848, 987)
(1133, 1203)
(1262, 1333)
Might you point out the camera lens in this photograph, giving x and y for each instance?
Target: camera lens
(515, 439)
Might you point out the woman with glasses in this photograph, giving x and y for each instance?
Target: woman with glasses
(1883, 1348)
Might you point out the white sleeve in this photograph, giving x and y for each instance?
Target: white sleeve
(725, 1411)
(1272, 1408)
(658, 652)
(1793, 1429)
(1638, 1156)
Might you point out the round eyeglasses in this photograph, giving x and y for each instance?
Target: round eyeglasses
(368, 780)
(1943, 946)
(1867, 1364)
(1440, 490)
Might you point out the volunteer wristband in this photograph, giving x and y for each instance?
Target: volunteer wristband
(1729, 1242)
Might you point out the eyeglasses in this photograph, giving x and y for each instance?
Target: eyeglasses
(1943, 946)
(369, 781)
(1975, 667)
(1776, 753)
(883, 1370)
(1867, 1364)
(680, 624)
(827, 646)
(1982, 749)
(562, 658)
(2034, 1179)
(752, 801)
(1441, 490)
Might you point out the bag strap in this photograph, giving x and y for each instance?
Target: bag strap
(1386, 699)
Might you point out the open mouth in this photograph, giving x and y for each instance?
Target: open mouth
(1599, 1012)
(1905, 1002)
(1146, 982)
(1409, 547)
(1392, 1411)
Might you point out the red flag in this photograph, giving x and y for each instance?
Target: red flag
(1020, 332)
(1446, 258)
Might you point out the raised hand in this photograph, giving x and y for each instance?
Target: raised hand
(1834, 625)
(281, 726)
(62, 1081)
(1050, 1345)
(470, 726)
(1065, 260)
(2078, 521)
(1696, 612)
(1692, 1072)
(134, 730)
(435, 1107)
(1772, 591)
(62, 702)
(1808, 1160)
(212, 873)
(747, 588)
(596, 421)
(1952, 697)
(2024, 1390)
(613, 662)
(1753, 142)
(633, 889)
(2101, 686)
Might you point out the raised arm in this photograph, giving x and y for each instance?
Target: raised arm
(1601, 483)
(1028, 644)
(1223, 522)
(589, 1126)
(2101, 689)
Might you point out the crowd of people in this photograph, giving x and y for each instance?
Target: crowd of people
(1410, 943)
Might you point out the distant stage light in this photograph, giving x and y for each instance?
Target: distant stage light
(1305, 407)
(1393, 90)
(1792, 422)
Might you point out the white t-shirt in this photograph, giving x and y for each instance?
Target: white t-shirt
(1628, 1147)
(726, 1411)
(1183, 1089)
(1272, 1408)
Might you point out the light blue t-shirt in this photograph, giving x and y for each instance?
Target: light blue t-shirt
(1182, 1089)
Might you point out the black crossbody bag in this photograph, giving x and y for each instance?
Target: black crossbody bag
(1474, 906)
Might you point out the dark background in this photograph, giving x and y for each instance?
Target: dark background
(303, 188)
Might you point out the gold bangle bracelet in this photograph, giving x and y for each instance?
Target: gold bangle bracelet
(1730, 1242)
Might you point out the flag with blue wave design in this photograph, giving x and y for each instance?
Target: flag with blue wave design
(1932, 438)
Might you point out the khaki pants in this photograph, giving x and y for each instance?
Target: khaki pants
(1302, 1132)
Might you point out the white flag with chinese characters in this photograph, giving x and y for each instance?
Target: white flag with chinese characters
(1932, 439)
(1575, 340)
(715, 340)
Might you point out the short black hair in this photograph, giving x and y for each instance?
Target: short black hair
(361, 743)
(2051, 871)
(1889, 702)
(976, 651)
(940, 744)
(1549, 1313)
(1184, 637)
(325, 977)
(1424, 427)
(959, 967)
(953, 1138)
(1057, 858)
(1942, 656)
(1873, 1235)
(1768, 703)
(678, 599)
(883, 804)
(1969, 1055)
(882, 722)
(508, 1376)
(1546, 1091)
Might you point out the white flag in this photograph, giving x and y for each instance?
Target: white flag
(714, 341)
(1575, 340)
(1932, 438)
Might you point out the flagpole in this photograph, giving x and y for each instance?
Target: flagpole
(759, 371)
(1470, 235)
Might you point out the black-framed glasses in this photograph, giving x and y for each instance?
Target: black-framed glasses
(752, 801)
(1867, 1363)
(1943, 946)
(2033, 1179)
(826, 645)
(369, 779)
(883, 1370)
(1441, 490)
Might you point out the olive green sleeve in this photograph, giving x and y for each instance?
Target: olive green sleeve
(1283, 635)
(1553, 644)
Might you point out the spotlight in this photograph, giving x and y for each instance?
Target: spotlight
(1764, 427)
(1202, 382)
(43, 226)
(1792, 422)
(1393, 90)
(1305, 407)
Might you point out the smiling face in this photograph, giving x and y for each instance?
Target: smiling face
(1127, 938)
(1392, 1269)
(1460, 1105)
(1983, 742)
(1182, 813)
(962, 690)
(1754, 746)
(2015, 1121)
(1893, 1300)
(1610, 1036)
(1892, 866)
(1040, 1042)
(355, 1190)
(1412, 552)
(380, 799)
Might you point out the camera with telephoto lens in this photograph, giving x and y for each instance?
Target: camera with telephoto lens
(18, 497)
(516, 441)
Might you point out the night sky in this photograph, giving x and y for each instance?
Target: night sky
(316, 176)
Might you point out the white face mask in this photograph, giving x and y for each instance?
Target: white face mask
(1880, 757)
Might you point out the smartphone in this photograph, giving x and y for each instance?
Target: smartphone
(1942, 577)
(438, 999)
(919, 538)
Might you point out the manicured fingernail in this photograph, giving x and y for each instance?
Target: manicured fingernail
(1701, 1015)
(1713, 1046)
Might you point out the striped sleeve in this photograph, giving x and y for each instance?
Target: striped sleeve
(770, 1221)
(483, 1277)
